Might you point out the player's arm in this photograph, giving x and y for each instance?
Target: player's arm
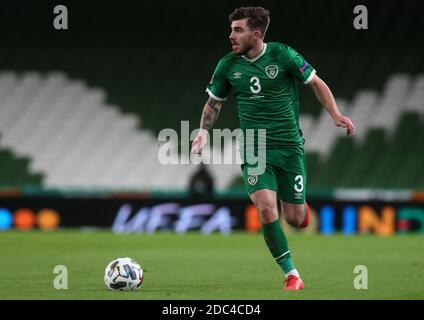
(209, 115)
(218, 89)
(326, 98)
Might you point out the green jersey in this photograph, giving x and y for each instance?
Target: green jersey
(266, 91)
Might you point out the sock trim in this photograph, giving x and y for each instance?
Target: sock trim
(280, 256)
(293, 272)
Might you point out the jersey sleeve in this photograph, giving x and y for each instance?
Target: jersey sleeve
(298, 67)
(219, 87)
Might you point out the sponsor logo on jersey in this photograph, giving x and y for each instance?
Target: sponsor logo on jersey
(252, 179)
(302, 70)
(271, 71)
(237, 75)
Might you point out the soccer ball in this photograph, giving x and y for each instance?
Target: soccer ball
(123, 274)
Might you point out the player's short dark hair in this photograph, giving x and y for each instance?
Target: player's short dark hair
(257, 17)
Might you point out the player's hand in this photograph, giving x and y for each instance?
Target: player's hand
(199, 142)
(345, 122)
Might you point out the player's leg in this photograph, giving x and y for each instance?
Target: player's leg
(291, 177)
(266, 205)
(262, 191)
(290, 174)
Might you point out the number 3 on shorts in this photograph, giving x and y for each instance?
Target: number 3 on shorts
(298, 186)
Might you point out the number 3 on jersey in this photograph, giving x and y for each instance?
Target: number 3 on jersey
(255, 86)
(298, 186)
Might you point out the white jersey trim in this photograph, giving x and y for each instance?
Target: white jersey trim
(258, 56)
(310, 77)
(214, 96)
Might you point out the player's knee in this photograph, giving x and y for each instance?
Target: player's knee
(293, 221)
(267, 213)
(294, 217)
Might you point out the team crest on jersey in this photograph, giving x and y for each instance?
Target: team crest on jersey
(271, 71)
(252, 179)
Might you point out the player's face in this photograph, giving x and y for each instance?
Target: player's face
(241, 37)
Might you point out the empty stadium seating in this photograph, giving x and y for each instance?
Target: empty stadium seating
(68, 134)
(389, 136)
(94, 122)
(75, 140)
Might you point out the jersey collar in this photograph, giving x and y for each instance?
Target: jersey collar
(258, 56)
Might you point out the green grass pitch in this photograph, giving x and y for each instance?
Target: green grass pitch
(195, 266)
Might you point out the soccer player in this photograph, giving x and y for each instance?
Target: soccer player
(263, 78)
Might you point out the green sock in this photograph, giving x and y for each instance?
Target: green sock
(277, 244)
